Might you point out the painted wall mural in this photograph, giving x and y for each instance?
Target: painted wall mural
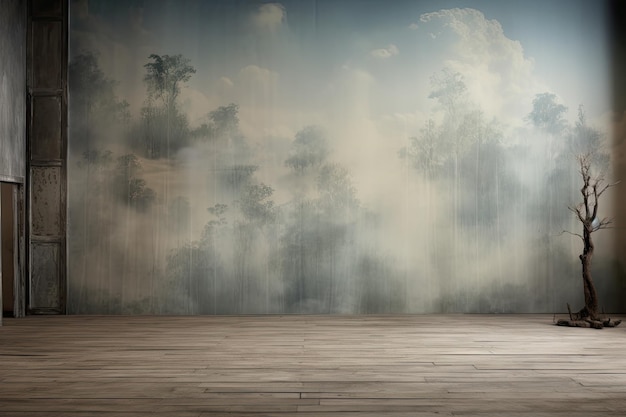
(312, 156)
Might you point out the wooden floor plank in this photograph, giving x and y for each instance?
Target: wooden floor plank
(313, 366)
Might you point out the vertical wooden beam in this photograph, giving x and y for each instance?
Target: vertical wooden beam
(1, 278)
(10, 256)
(47, 155)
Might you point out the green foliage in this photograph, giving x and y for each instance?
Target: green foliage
(475, 129)
(164, 129)
(165, 74)
(94, 106)
(188, 269)
(337, 194)
(128, 166)
(255, 204)
(426, 152)
(585, 139)
(218, 212)
(547, 114)
(91, 92)
(96, 158)
(224, 122)
(449, 89)
(237, 176)
(309, 150)
(129, 187)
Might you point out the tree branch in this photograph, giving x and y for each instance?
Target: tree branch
(573, 234)
(606, 187)
(594, 212)
(577, 210)
(604, 224)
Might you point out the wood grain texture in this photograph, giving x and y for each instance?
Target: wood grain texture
(448, 365)
(12, 97)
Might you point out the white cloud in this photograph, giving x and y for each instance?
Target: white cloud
(269, 16)
(385, 53)
(196, 105)
(498, 76)
(413, 26)
(403, 124)
(226, 82)
(256, 92)
(256, 79)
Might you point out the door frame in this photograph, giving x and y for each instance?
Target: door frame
(19, 276)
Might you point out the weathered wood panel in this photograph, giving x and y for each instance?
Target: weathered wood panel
(45, 139)
(45, 8)
(47, 86)
(45, 279)
(3, 292)
(47, 41)
(9, 245)
(327, 366)
(46, 185)
(12, 94)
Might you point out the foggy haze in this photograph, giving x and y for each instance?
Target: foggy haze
(309, 157)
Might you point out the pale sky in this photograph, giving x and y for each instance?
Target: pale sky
(294, 63)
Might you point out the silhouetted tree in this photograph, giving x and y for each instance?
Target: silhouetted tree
(94, 106)
(548, 119)
(224, 122)
(164, 77)
(255, 204)
(585, 139)
(235, 177)
(449, 89)
(132, 189)
(548, 114)
(593, 186)
(337, 194)
(165, 129)
(309, 150)
(426, 152)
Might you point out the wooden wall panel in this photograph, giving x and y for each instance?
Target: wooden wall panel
(46, 186)
(9, 248)
(46, 288)
(12, 94)
(47, 159)
(44, 8)
(47, 47)
(46, 135)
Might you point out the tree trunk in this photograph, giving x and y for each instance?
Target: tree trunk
(591, 298)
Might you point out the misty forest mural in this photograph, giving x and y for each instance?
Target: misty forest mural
(312, 156)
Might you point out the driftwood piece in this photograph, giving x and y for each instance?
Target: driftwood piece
(609, 323)
(572, 323)
(594, 324)
(585, 318)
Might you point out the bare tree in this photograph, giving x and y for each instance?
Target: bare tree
(594, 185)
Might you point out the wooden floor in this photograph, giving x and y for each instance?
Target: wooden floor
(452, 365)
